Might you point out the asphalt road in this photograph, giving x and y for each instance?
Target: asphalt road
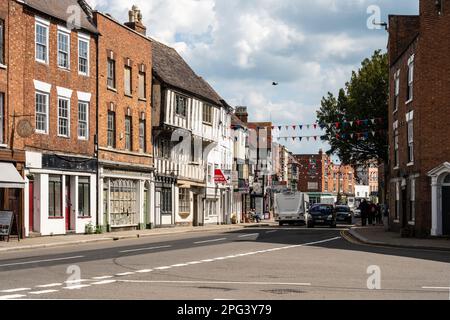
(256, 264)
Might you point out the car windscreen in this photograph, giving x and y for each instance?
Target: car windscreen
(343, 209)
(322, 209)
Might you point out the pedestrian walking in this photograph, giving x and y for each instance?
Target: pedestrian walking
(364, 208)
(372, 213)
(379, 215)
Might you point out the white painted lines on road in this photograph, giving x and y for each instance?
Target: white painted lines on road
(15, 290)
(145, 249)
(51, 285)
(75, 281)
(249, 235)
(192, 263)
(179, 265)
(39, 261)
(13, 296)
(271, 231)
(144, 271)
(221, 283)
(37, 293)
(436, 288)
(163, 268)
(102, 278)
(320, 242)
(77, 287)
(124, 274)
(104, 282)
(210, 241)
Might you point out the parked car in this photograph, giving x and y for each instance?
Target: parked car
(322, 215)
(344, 214)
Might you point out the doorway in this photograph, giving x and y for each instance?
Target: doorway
(446, 210)
(68, 203)
(195, 222)
(158, 209)
(31, 206)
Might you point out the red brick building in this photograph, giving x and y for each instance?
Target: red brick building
(124, 123)
(419, 117)
(318, 176)
(12, 158)
(52, 96)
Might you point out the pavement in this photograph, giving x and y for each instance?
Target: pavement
(68, 240)
(379, 237)
(262, 263)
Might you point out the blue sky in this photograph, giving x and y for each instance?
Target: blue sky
(242, 46)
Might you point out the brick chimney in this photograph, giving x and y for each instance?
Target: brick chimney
(135, 21)
(242, 114)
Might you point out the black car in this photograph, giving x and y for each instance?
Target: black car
(344, 214)
(322, 215)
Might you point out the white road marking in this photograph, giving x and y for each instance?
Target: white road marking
(319, 242)
(179, 265)
(39, 261)
(43, 292)
(271, 231)
(103, 282)
(103, 278)
(208, 260)
(75, 281)
(15, 290)
(125, 274)
(81, 286)
(163, 268)
(14, 296)
(50, 285)
(193, 263)
(145, 249)
(209, 241)
(222, 282)
(248, 235)
(436, 288)
(144, 271)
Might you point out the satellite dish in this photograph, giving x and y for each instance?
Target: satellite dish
(25, 128)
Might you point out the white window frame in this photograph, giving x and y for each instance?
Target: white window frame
(396, 146)
(87, 104)
(410, 137)
(47, 106)
(410, 84)
(396, 90)
(412, 201)
(86, 39)
(46, 25)
(68, 117)
(64, 32)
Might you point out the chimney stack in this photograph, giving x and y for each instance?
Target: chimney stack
(135, 21)
(242, 114)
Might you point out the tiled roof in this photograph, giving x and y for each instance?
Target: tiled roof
(171, 68)
(60, 9)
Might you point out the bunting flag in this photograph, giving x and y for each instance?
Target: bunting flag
(338, 125)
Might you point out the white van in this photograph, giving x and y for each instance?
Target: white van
(291, 207)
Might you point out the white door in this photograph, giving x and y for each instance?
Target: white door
(158, 209)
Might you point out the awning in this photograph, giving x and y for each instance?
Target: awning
(10, 177)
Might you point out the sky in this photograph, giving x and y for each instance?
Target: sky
(242, 46)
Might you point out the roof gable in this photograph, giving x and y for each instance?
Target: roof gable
(60, 9)
(171, 68)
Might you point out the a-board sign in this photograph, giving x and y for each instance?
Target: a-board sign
(6, 222)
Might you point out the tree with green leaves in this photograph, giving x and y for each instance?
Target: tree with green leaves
(356, 121)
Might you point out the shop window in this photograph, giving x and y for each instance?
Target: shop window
(123, 202)
(184, 200)
(84, 195)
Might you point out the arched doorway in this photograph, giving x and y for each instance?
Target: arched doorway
(440, 198)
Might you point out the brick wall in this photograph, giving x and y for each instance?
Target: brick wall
(126, 46)
(24, 69)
